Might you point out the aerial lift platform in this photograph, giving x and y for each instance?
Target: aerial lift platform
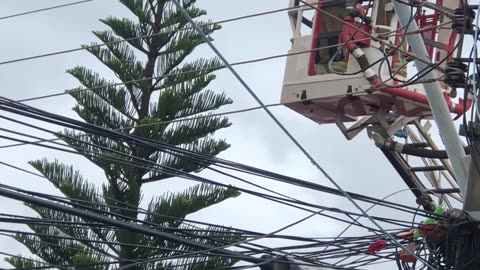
(348, 66)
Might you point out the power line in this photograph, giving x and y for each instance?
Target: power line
(25, 107)
(256, 60)
(161, 123)
(76, 206)
(120, 224)
(283, 128)
(164, 76)
(143, 163)
(244, 191)
(145, 36)
(33, 113)
(245, 241)
(262, 107)
(44, 9)
(263, 236)
(172, 172)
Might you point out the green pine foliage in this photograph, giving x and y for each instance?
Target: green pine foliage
(150, 66)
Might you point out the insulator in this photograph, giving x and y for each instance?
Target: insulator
(463, 20)
(455, 74)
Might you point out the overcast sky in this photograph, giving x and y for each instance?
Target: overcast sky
(356, 165)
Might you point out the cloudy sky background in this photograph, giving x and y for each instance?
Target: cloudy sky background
(356, 165)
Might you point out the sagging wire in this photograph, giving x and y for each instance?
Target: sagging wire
(214, 68)
(150, 166)
(81, 206)
(55, 206)
(44, 9)
(295, 238)
(260, 236)
(184, 153)
(150, 35)
(12, 194)
(155, 214)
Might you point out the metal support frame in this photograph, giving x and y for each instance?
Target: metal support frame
(421, 174)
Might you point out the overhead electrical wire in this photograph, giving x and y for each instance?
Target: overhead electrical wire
(259, 236)
(207, 69)
(148, 36)
(256, 60)
(171, 150)
(44, 9)
(130, 163)
(286, 201)
(183, 219)
(80, 206)
(159, 123)
(181, 73)
(4, 190)
(146, 212)
(368, 209)
(248, 240)
(68, 245)
(122, 160)
(118, 259)
(50, 266)
(360, 252)
(285, 130)
(333, 243)
(265, 251)
(124, 225)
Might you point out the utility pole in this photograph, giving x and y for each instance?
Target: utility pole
(472, 200)
(465, 167)
(467, 176)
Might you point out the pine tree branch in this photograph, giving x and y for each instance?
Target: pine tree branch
(113, 96)
(68, 240)
(152, 7)
(87, 233)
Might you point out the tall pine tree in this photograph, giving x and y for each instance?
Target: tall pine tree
(135, 109)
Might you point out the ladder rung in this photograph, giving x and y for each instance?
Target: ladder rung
(428, 169)
(443, 191)
(422, 144)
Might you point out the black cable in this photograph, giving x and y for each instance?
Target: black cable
(54, 198)
(282, 236)
(149, 144)
(107, 149)
(144, 36)
(43, 9)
